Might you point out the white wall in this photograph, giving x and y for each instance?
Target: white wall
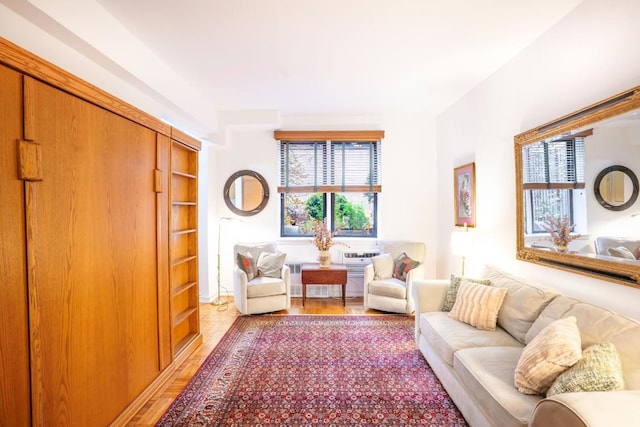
(406, 206)
(589, 55)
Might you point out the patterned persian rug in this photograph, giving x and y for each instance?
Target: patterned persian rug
(308, 370)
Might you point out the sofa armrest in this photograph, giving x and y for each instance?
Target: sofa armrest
(428, 295)
(413, 275)
(599, 408)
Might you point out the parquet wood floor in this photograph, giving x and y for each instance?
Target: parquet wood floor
(214, 322)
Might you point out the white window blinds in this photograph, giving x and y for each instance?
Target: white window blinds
(330, 166)
(554, 164)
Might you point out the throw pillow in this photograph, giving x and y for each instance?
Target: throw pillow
(270, 264)
(247, 264)
(383, 266)
(599, 369)
(452, 291)
(555, 349)
(621, 252)
(402, 265)
(478, 305)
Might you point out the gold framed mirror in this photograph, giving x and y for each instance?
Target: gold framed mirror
(557, 166)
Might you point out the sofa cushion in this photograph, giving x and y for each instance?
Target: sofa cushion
(555, 349)
(598, 370)
(382, 266)
(487, 373)
(598, 325)
(265, 286)
(393, 288)
(452, 291)
(478, 305)
(522, 304)
(447, 335)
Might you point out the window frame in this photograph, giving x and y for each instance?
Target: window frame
(328, 184)
(572, 170)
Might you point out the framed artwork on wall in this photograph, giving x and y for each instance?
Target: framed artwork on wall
(464, 190)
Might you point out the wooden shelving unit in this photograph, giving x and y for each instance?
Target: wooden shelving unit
(183, 250)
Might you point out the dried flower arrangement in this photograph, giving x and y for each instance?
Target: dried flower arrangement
(559, 230)
(322, 237)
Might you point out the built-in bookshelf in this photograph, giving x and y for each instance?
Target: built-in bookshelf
(183, 250)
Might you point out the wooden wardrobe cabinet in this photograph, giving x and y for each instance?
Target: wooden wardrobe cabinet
(90, 324)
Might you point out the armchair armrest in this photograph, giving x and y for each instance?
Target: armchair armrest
(285, 274)
(240, 288)
(597, 408)
(369, 274)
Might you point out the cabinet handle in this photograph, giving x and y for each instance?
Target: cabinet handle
(29, 161)
(157, 178)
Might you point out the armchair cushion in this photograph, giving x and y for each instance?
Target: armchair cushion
(246, 263)
(402, 265)
(393, 288)
(383, 266)
(264, 286)
(270, 264)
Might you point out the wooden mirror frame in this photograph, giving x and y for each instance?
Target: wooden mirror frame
(634, 194)
(231, 181)
(582, 263)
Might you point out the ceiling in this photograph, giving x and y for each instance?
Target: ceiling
(199, 58)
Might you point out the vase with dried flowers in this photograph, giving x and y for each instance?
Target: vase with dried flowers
(323, 240)
(559, 230)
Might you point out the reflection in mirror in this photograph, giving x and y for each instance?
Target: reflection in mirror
(246, 193)
(562, 171)
(616, 188)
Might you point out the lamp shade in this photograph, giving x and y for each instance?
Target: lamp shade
(461, 243)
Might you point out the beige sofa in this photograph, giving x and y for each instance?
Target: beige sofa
(477, 367)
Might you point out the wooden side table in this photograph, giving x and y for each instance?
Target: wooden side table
(312, 274)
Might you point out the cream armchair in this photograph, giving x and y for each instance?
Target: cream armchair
(383, 291)
(261, 280)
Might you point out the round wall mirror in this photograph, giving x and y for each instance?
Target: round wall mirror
(246, 192)
(616, 188)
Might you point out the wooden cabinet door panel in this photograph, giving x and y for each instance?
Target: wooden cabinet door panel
(93, 279)
(14, 338)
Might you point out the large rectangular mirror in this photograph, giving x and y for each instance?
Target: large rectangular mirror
(581, 169)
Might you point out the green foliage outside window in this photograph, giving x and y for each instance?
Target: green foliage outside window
(348, 215)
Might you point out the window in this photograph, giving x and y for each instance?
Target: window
(332, 176)
(552, 171)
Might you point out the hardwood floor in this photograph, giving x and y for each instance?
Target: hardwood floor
(214, 322)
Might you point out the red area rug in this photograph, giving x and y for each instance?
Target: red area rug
(315, 370)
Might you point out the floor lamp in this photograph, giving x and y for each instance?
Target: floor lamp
(222, 304)
(461, 243)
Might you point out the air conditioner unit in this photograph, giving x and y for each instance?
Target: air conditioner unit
(357, 260)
